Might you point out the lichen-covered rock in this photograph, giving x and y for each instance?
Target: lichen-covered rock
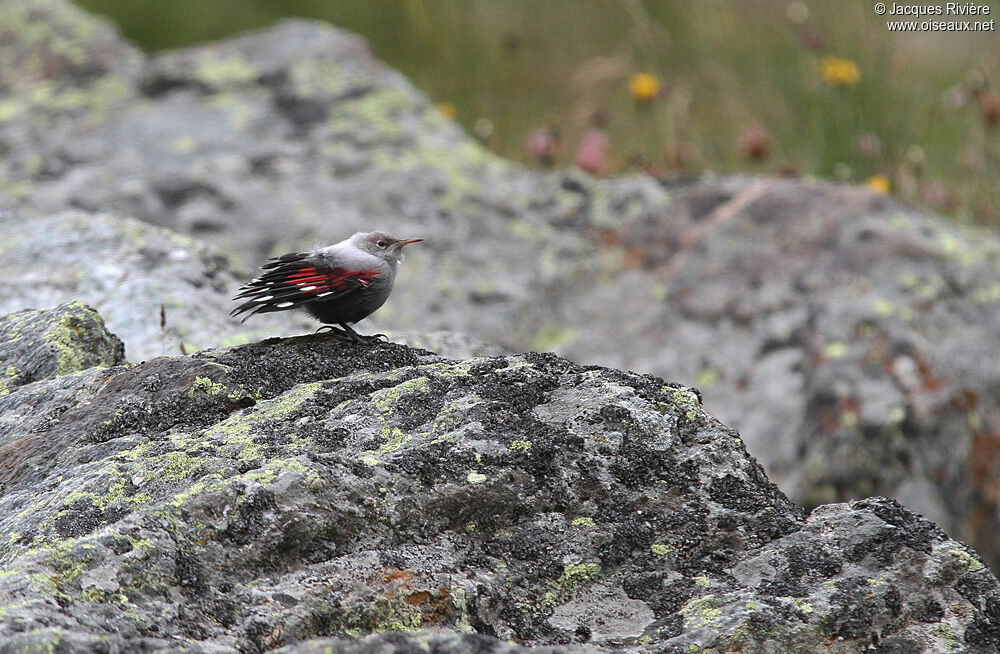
(273, 141)
(423, 642)
(41, 344)
(309, 488)
(849, 338)
(53, 42)
(162, 292)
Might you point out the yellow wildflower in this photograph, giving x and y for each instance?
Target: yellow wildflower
(878, 183)
(447, 110)
(837, 71)
(643, 87)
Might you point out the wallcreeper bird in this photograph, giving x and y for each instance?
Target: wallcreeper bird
(338, 284)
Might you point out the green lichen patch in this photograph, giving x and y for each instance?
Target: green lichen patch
(237, 430)
(660, 549)
(56, 568)
(224, 71)
(205, 386)
(9, 379)
(800, 604)
(385, 400)
(41, 344)
(949, 639)
(453, 368)
(379, 111)
(406, 609)
(395, 438)
(215, 482)
(577, 575)
(955, 554)
(686, 401)
(701, 611)
(320, 80)
(835, 350)
(415, 411)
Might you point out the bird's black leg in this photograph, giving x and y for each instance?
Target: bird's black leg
(356, 337)
(336, 333)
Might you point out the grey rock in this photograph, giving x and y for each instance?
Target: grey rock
(162, 292)
(607, 612)
(452, 345)
(56, 42)
(44, 344)
(851, 339)
(311, 493)
(438, 642)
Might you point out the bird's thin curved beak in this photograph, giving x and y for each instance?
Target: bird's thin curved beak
(400, 244)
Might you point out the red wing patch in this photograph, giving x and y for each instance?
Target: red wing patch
(310, 280)
(293, 280)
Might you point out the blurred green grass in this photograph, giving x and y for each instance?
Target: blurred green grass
(741, 88)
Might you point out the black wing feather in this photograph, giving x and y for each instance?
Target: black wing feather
(294, 279)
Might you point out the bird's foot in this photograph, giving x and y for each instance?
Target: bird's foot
(339, 334)
(351, 334)
(345, 332)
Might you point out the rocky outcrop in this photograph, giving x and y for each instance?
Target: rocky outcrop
(426, 641)
(846, 335)
(849, 338)
(297, 489)
(162, 292)
(37, 345)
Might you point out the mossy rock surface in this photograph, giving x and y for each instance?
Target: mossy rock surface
(313, 494)
(41, 344)
(850, 338)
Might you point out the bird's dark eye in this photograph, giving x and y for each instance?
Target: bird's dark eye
(381, 244)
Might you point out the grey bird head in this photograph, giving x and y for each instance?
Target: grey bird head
(382, 245)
